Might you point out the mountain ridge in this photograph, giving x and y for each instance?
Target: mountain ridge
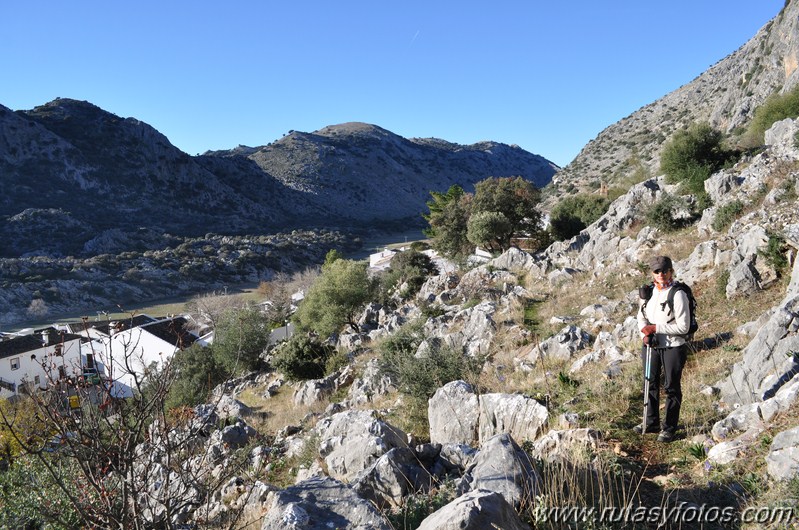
(74, 156)
(725, 95)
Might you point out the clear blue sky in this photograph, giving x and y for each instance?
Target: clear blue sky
(548, 76)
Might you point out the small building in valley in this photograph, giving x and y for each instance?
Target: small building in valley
(38, 359)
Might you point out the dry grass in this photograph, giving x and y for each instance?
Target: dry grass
(272, 414)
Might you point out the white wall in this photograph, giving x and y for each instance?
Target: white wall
(126, 354)
(44, 365)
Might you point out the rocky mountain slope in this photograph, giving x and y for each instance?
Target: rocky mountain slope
(71, 170)
(547, 418)
(726, 95)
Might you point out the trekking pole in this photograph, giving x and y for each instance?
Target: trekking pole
(647, 368)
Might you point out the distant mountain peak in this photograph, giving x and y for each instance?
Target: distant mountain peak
(107, 173)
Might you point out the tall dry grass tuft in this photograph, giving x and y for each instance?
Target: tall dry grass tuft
(576, 491)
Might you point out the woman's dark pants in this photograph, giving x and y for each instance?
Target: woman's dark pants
(669, 361)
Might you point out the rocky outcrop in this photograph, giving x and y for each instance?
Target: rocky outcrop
(562, 445)
(351, 441)
(767, 360)
(501, 466)
(522, 417)
(457, 415)
(469, 330)
(321, 504)
(561, 346)
(783, 456)
(453, 414)
(476, 510)
(392, 477)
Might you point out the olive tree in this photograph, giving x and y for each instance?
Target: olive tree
(515, 198)
(241, 336)
(491, 230)
(336, 298)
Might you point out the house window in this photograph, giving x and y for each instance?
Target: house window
(37, 380)
(15, 363)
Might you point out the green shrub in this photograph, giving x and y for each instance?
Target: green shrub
(301, 358)
(419, 377)
(337, 360)
(574, 213)
(240, 337)
(774, 253)
(777, 107)
(788, 188)
(416, 507)
(692, 155)
(726, 214)
(196, 373)
(336, 298)
(410, 268)
(663, 214)
(33, 499)
(721, 282)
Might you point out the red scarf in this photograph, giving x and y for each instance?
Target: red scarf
(665, 286)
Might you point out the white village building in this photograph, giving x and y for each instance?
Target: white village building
(126, 349)
(39, 359)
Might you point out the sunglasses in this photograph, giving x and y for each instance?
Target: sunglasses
(660, 271)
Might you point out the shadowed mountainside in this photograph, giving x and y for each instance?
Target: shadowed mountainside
(71, 170)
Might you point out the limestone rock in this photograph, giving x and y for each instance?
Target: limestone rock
(523, 417)
(393, 476)
(783, 456)
(561, 346)
(501, 466)
(766, 359)
(351, 441)
(560, 444)
(475, 510)
(320, 504)
(453, 414)
(513, 259)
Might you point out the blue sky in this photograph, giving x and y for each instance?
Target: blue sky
(548, 76)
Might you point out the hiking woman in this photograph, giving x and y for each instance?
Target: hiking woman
(664, 329)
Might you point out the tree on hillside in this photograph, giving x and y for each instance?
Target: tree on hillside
(336, 298)
(332, 255)
(440, 203)
(449, 214)
(490, 230)
(240, 338)
(515, 198)
(510, 198)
